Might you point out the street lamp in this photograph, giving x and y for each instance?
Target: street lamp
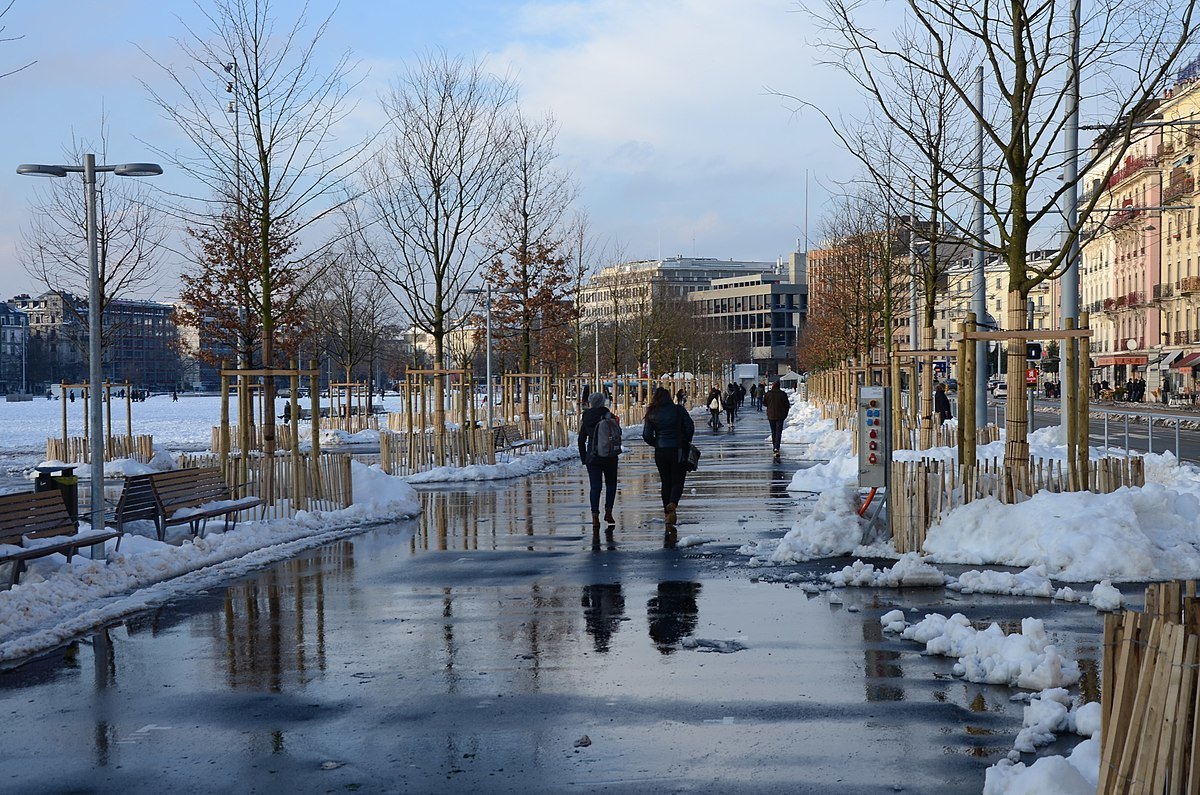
(89, 169)
(487, 314)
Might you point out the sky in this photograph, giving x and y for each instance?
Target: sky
(667, 120)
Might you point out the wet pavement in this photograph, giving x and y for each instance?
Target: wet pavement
(474, 648)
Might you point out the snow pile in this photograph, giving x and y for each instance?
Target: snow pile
(908, 572)
(1131, 534)
(805, 426)
(335, 438)
(837, 472)
(1048, 713)
(1104, 596)
(1031, 582)
(694, 541)
(832, 527)
(377, 492)
(1023, 659)
(506, 466)
(893, 621)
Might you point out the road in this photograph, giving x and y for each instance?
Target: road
(472, 650)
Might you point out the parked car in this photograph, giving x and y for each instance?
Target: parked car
(1000, 390)
(952, 384)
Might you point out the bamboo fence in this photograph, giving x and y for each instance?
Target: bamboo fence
(286, 483)
(924, 491)
(1150, 695)
(77, 449)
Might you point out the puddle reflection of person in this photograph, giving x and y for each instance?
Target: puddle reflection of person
(672, 614)
(603, 609)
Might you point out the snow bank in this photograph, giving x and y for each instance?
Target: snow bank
(506, 467)
(1131, 534)
(1023, 659)
(1047, 714)
(910, 571)
(831, 527)
(839, 471)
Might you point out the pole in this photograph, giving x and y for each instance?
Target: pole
(914, 323)
(978, 280)
(488, 334)
(1069, 282)
(95, 351)
(596, 385)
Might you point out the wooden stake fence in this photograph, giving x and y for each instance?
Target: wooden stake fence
(923, 491)
(286, 483)
(77, 449)
(1150, 695)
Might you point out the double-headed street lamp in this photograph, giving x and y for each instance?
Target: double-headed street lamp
(89, 169)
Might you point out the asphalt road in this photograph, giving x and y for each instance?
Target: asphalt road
(473, 649)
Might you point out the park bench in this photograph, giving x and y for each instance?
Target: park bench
(508, 437)
(195, 495)
(137, 502)
(37, 524)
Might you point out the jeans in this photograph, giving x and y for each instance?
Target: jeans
(716, 418)
(776, 433)
(672, 471)
(603, 471)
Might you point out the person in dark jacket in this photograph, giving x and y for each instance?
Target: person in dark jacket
(729, 401)
(778, 406)
(668, 428)
(602, 470)
(941, 404)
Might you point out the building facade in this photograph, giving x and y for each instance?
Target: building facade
(766, 309)
(139, 341)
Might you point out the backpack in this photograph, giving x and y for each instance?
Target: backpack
(606, 438)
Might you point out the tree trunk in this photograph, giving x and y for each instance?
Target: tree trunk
(1016, 421)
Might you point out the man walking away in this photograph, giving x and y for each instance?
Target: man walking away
(754, 396)
(778, 406)
(729, 401)
(941, 404)
(599, 446)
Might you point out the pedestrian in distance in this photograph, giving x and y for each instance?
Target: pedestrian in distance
(778, 405)
(762, 394)
(681, 398)
(941, 404)
(729, 403)
(714, 407)
(599, 447)
(754, 396)
(669, 430)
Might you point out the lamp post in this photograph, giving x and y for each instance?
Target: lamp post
(89, 169)
(487, 334)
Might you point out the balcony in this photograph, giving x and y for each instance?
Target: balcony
(1131, 167)
(1109, 304)
(1135, 298)
(1120, 302)
(1178, 188)
(1189, 285)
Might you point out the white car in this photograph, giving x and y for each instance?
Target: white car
(1000, 390)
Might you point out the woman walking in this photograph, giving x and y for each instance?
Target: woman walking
(730, 401)
(599, 455)
(668, 428)
(714, 407)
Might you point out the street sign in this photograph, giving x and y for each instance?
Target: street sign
(874, 436)
(1031, 376)
(1033, 351)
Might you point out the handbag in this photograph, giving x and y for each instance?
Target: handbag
(693, 458)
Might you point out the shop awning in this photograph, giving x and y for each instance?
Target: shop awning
(1168, 359)
(1104, 361)
(1186, 362)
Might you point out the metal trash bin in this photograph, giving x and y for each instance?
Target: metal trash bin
(62, 478)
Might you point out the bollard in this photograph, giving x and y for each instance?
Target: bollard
(1106, 433)
(1149, 434)
(1126, 415)
(1177, 453)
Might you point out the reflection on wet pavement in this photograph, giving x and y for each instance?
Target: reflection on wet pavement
(471, 648)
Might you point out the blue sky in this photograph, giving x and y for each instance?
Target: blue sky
(665, 117)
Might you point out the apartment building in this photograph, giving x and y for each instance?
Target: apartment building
(767, 310)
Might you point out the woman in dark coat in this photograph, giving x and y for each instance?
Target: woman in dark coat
(941, 404)
(714, 407)
(668, 428)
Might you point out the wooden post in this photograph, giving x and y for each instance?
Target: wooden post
(128, 412)
(314, 396)
(970, 417)
(298, 490)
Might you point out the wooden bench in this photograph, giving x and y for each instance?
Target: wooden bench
(137, 502)
(508, 437)
(28, 518)
(193, 496)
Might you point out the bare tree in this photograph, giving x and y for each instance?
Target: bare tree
(531, 264)
(436, 186)
(129, 237)
(285, 159)
(1026, 53)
